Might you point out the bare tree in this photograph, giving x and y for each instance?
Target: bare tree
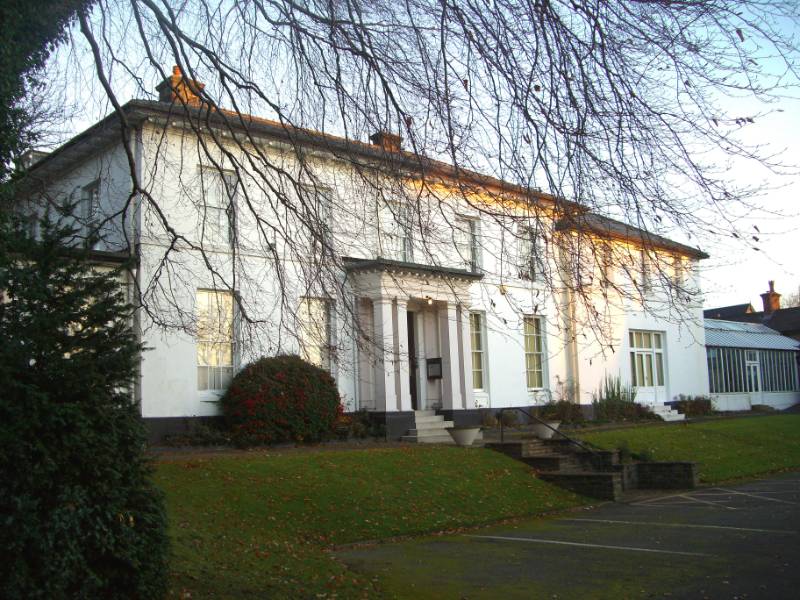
(574, 113)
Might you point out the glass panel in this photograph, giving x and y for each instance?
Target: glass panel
(646, 342)
(638, 343)
(634, 380)
(632, 342)
(648, 361)
(477, 380)
(640, 370)
(659, 370)
(657, 340)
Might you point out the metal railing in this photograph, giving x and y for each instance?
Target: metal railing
(546, 424)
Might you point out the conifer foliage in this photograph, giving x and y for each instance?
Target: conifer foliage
(80, 517)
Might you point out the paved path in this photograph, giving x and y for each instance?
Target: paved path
(732, 541)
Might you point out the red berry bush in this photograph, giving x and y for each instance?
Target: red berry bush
(281, 399)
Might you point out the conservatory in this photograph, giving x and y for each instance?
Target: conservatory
(750, 364)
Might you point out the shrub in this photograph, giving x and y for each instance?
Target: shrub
(281, 399)
(696, 406)
(562, 410)
(80, 516)
(509, 418)
(200, 434)
(489, 420)
(616, 402)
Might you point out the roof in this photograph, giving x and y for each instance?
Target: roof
(728, 312)
(384, 264)
(607, 227)
(783, 320)
(732, 334)
(136, 111)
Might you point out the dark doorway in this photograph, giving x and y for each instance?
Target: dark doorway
(412, 359)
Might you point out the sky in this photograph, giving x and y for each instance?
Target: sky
(736, 272)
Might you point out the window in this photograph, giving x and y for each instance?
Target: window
(214, 339)
(531, 253)
(476, 330)
(534, 352)
(320, 199)
(219, 192)
(395, 225)
(739, 370)
(466, 240)
(647, 358)
(315, 331)
(89, 209)
(645, 282)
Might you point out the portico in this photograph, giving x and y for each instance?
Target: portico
(413, 335)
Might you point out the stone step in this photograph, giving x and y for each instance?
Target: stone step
(428, 439)
(604, 485)
(424, 413)
(553, 462)
(431, 430)
(431, 419)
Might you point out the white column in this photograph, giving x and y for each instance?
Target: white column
(451, 372)
(466, 359)
(385, 394)
(422, 370)
(403, 372)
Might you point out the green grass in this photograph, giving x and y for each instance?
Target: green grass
(725, 449)
(260, 525)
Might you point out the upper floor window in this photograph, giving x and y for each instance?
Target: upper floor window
(531, 254)
(315, 331)
(89, 210)
(466, 234)
(219, 194)
(647, 358)
(477, 337)
(215, 339)
(645, 272)
(395, 224)
(534, 352)
(319, 200)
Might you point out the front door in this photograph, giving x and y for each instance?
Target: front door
(412, 360)
(753, 374)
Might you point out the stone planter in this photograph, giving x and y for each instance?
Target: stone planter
(463, 436)
(545, 433)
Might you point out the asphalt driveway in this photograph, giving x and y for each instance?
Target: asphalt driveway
(738, 541)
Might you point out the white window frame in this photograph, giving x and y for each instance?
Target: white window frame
(316, 339)
(395, 232)
(218, 213)
(530, 252)
(219, 334)
(467, 241)
(647, 352)
(532, 352)
(477, 331)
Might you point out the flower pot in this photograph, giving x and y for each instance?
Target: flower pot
(463, 436)
(545, 433)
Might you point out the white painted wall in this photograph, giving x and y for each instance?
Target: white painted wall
(170, 168)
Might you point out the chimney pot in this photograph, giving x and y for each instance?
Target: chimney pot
(771, 299)
(390, 142)
(176, 87)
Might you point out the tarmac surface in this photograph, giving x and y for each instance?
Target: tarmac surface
(730, 541)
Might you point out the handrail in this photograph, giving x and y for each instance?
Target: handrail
(546, 424)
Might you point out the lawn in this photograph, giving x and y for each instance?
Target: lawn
(724, 450)
(257, 525)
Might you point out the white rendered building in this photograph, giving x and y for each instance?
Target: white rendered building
(423, 288)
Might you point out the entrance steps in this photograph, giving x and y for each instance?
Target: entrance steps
(666, 412)
(430, 428)
(599, 473)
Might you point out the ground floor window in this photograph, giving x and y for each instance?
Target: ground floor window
(534, 352)
(215, 341)
(314, 331)
(744, 370)
(476, 329)
(647, 358)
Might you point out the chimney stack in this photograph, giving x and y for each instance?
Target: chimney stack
(177, 88)
(390, 142)
(771, 299)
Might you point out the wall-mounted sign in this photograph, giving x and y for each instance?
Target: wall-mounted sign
(434, 366)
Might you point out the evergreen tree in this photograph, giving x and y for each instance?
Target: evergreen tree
(80, 517)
